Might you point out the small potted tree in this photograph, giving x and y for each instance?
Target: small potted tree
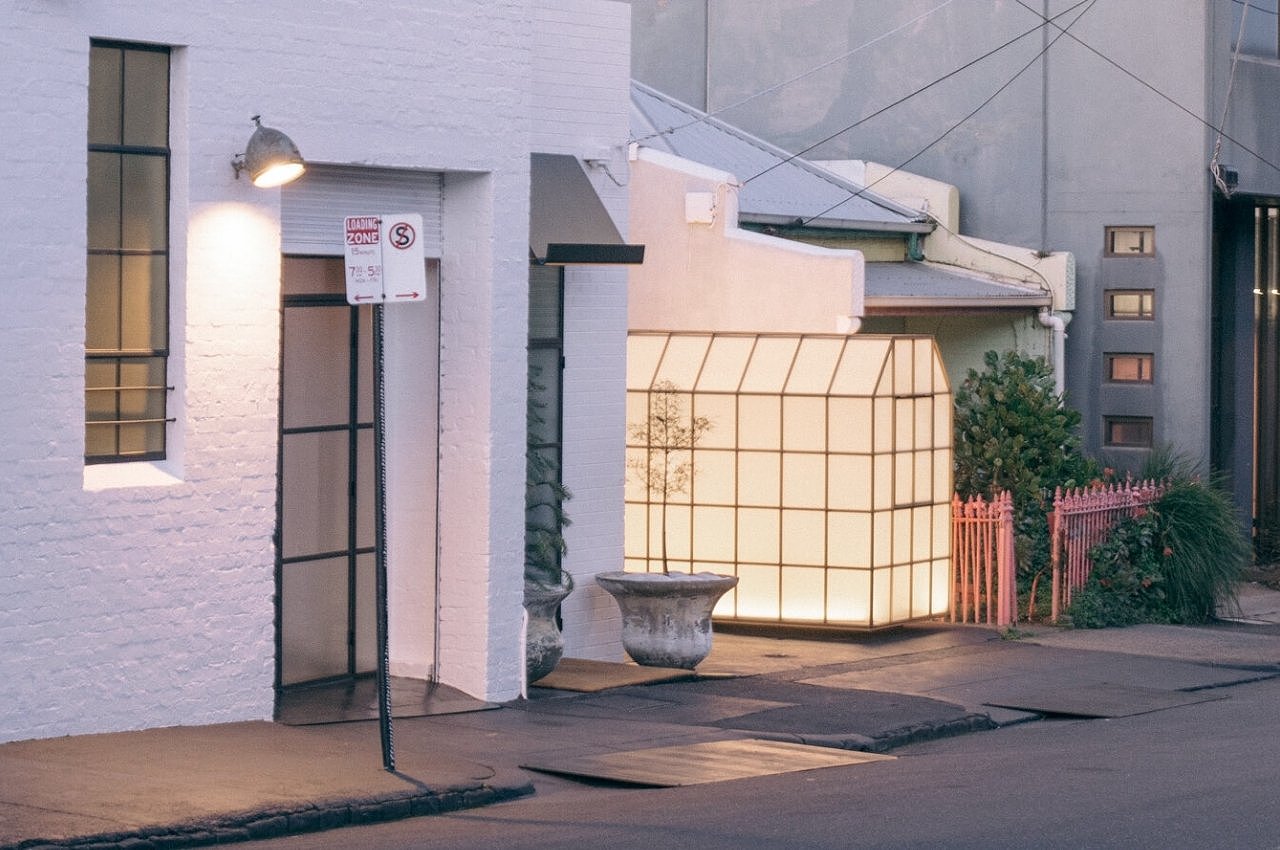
(666, 616)
(546, 583)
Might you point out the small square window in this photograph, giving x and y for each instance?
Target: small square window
(1130, 242)
(1128, 431)
(1131, 304)
(1129, 368)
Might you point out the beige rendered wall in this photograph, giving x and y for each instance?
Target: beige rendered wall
(703, 273)
(1011, 263)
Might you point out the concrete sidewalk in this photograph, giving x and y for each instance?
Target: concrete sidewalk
(193, 786)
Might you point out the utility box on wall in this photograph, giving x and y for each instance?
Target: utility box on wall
(821, 476)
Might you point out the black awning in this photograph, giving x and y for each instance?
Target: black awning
(568, 224)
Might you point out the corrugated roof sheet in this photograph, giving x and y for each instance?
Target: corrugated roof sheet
(779, 189)
(908, 285)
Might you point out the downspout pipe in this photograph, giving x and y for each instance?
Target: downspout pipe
(1058, 347)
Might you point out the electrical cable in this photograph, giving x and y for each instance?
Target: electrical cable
(796, 78)
(1154, 90)
(1214, 167)
(921, 90)
(954, 126)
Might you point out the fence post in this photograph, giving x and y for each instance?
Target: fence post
(957, 549)
(1006, 563)
(1055, 556)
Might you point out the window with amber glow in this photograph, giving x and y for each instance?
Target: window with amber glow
(1131, 304)
(1129, 368)
(127, 286)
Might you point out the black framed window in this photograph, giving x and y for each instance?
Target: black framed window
(1129, 368)
(546, 364)
(127, 287)
(1128, 431)
(1130, 241)
(1131, 304)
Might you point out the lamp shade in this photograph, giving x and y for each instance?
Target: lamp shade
(271, 157)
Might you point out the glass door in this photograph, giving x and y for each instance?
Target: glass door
(325, 551)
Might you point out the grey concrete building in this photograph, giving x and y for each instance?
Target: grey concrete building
(1140, 135)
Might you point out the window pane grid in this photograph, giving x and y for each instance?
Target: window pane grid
(126, 316)
(1131, 304)
(1129, 368)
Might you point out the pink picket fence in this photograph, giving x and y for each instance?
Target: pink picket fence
(1080, 520)
(983, 559)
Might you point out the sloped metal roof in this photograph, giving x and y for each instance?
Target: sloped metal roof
(779, 189)
(896, 288)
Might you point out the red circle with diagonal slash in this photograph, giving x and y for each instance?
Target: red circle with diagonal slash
(401, 235)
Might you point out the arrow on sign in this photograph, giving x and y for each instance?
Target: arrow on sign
(362, 297)
(408, 295)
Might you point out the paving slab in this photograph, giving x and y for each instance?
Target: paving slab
(698, 764)
(231, 777)
(193, 786)
(1227, 644)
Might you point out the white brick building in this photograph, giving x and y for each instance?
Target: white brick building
(140, 593)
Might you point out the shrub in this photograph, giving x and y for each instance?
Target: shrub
(1206, 549)
(1013, 432)
(1127, 583)
(1175, 564)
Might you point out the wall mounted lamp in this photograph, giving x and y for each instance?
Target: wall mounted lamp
(271, 158)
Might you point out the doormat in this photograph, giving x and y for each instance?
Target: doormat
(357, 699)
(697, 764)
(1103, 700)
(586, 676)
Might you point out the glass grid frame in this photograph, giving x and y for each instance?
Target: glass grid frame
(127, 289)
(824, 482)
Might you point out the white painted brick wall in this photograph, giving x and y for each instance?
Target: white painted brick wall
(582, 70)
(139, 606)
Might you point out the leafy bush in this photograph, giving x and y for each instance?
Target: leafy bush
(1207, 549)
(1127, 584)
(1175, 564)
(1013, 432)
(545, 517)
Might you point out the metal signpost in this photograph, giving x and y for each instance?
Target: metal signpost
(384, 263)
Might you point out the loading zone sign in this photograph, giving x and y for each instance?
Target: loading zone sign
(385, 262)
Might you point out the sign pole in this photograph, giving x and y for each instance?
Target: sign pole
(384, 262)
(385, 731)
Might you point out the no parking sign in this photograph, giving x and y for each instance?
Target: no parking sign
(384, 258)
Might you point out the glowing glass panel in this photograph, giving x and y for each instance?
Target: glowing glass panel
(815, 364)
(803, 594)
(759, 479)
(849, 596)
(804, 480)
(713, 534)
(804, 423)
(804, 538)
(861, 365)
(725, 364)
(824, 482)
(682, 361)
(759, 422)
(643, 353)
(770, 364)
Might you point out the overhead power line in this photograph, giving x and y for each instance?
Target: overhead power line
(954, 126)
(798, 77)
(1209, 124)
(1044, 22)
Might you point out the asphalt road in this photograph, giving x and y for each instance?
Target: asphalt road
(1196, 776)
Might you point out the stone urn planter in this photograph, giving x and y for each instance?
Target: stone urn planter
(544, 645)
(666, 618)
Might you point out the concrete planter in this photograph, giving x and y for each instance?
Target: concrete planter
(666, 619)
(544, 645)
